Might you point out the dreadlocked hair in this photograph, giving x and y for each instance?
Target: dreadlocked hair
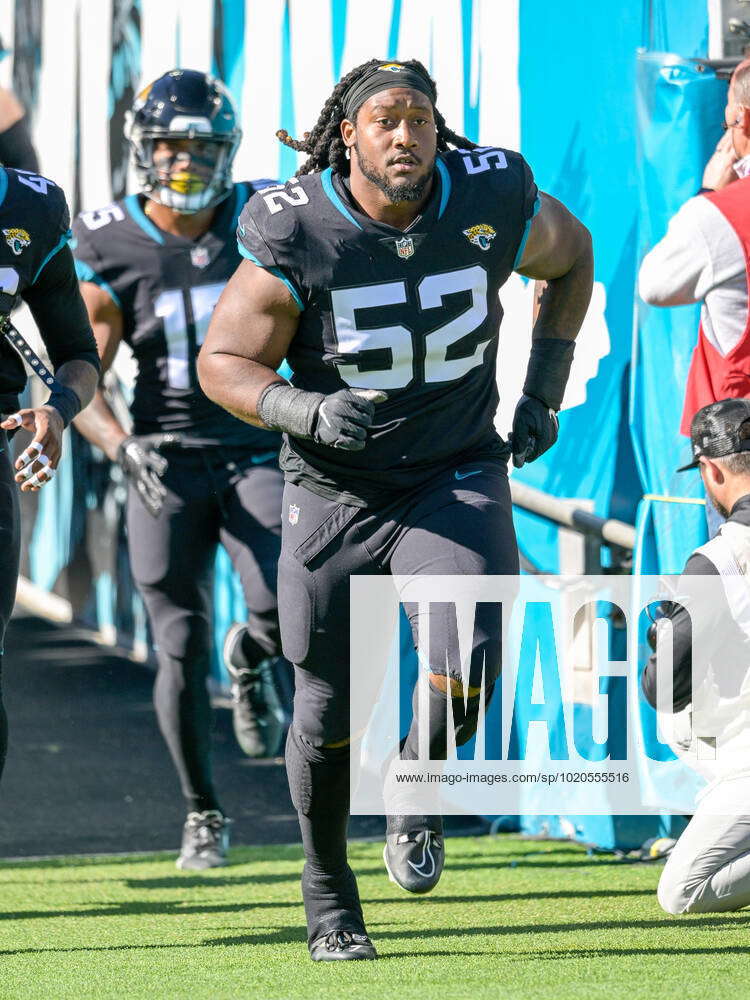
(324, 145)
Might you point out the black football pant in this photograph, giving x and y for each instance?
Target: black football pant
(10, 536)
(460, 523)
(211, 499)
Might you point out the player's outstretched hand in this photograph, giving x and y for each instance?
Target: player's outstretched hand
(534, 430)
(344, 418)
(144, 466)
(37, 464)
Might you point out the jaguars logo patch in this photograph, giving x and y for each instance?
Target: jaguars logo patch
(17, 240)
(391, 67)
(480, 236)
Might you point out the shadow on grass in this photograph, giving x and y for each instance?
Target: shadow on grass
(513, 897)
(175, 908)
(216, 881)
(718, 922)
(678, 953)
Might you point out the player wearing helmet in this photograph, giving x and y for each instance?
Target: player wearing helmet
(152, 267)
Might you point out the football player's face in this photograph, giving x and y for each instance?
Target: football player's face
(185, 165)
(395, 142)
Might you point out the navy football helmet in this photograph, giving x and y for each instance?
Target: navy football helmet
(184, 104)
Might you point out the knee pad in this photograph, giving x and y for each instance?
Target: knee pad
(316, 775)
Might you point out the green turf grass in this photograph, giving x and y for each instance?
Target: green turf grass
(510, 919)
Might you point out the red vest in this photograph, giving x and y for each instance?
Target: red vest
(713, 376)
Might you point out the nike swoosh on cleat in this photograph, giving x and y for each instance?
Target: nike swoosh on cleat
(465, 475)
(425, 853)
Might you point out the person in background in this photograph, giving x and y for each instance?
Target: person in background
(709, 868)
(704, 258)
(152, 266)
(16, 147)
(36, 266)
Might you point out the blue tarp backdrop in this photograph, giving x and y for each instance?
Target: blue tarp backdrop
(611, 123)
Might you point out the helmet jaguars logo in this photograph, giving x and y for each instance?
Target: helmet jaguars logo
(480, 236)
(17, 240)
(391, 67)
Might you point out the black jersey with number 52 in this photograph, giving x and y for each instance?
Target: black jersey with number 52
(166, 287)
(415, 314)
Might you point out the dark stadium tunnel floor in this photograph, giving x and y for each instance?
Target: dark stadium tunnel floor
(87, 770)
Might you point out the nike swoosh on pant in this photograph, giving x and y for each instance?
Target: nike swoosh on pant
(465, 475)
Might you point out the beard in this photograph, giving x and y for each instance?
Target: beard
(408, 191)
(719, 507)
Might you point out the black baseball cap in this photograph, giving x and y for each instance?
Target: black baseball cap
(719, 429)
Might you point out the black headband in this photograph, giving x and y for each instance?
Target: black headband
(384, 77)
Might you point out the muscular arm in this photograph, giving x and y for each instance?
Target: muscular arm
(558, 252)
(251, 328)
(98, 423)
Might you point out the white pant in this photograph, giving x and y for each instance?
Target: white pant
(709, 868)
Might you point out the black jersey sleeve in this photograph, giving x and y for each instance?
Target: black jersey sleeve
(89, 262)
(499, 184)
(267, 234)
(58, 310)
(529, 201)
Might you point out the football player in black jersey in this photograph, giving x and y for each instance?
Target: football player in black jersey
(376, 274)
(36, 265)
(152, 267)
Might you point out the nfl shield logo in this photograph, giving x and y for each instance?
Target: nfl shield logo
(200, 257)
(405, 247)
(293, 513)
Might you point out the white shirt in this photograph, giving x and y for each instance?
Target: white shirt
(700, 260)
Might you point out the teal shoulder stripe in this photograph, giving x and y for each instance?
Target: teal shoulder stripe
(55, 249)
(330, 192)
(275, 271)
(85, 272)
(136, 213)
(241, 194)
(3, 184)
(526, 230)
(445, 185)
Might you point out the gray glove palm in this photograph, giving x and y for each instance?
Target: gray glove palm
(141, 462)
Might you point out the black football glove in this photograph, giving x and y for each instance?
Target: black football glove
(665, 610)
(141, 462)
(344, 417)
(534, 430)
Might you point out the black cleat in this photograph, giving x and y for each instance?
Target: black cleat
(256, 710)
(342, 946)
(205, 841)
(414, 858)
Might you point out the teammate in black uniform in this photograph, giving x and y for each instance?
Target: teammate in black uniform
(152, 267)
(37, 266)
(377, 275)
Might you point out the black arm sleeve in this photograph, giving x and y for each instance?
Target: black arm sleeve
(16, 148)
(59, 312)
(682, 645)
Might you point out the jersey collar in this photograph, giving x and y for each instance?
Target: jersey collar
(337, 193)
(224, 220)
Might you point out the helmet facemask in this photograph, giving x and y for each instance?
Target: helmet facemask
(193, 192)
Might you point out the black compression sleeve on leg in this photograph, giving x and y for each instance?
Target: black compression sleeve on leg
(319, 786)
(465, 717)
(281, 407)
